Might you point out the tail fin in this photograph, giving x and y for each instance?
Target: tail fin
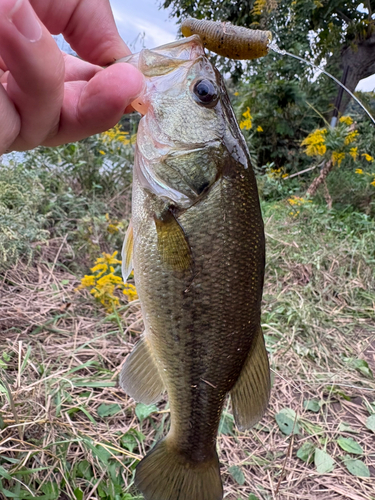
(164, 474)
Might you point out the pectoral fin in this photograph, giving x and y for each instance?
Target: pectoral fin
(127, 253)
(173, 246)
(140, 377)
(251, 392)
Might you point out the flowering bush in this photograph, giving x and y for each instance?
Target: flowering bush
(104, 281)
(334, 144)
(246, 123)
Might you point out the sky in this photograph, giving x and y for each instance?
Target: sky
(142, 24)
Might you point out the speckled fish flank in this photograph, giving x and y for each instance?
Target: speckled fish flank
(196, 243)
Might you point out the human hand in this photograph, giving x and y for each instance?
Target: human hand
(48, 97)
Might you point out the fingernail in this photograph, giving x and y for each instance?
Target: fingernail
(23, 17)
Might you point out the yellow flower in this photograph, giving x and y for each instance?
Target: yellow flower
(101, 152)
(259, 128)
(373, 183)
(351, 137)
(104, 283)
(297, 200)
(337, 157)
(359, 171)
(247, 123)
(320, 149)
(368, 157)
(108, 279)
(88, 281)
(116, 134)
(108, 259)
(354, 153)
(346, 119)
(236, 94)
(130, 291)
(102, 267)
(315, 143)
(259, 6)
(112, 228)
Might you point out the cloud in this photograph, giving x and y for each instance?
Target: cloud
(135, 18)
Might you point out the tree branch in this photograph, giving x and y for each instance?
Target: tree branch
(368, 5)
(344, 17)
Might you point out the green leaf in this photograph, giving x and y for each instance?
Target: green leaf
(237, 474)
(50, 490)
(370, 423)
(83, 382)
(143, 411)
(357, 468)
(226, 425)
(361, 366)
(323, 462)
(350, 445)
(6, 356)
(131, 439)
(98, 450)
(287, 421)
(78, 493)
(344, 427)
(108, 410)
(102, 453)
(306, 452)
(84, 470)
(75, 409)
(5, 473)
(64, 282)
(312, 405)
(252, 497)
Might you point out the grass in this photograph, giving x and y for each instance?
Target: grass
(69, 432)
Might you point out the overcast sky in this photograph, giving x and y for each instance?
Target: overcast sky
(142, 24)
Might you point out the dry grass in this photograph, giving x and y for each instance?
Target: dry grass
(63, 355)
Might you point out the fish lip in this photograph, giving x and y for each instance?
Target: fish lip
(183, 51)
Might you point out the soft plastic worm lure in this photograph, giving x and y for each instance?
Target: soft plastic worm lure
(225, 39)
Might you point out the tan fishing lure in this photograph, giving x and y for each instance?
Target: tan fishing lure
(225, 39)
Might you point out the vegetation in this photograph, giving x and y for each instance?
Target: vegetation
(69, 432)
(67, 320)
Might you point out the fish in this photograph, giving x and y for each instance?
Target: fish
(196, 244)
(228, 40)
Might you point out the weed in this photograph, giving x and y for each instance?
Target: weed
(81, 436)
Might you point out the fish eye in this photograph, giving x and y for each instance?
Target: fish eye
(205, 93)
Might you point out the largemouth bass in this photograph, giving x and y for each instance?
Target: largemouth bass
(196, 243)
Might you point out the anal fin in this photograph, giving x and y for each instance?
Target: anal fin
(140, 377)
(251, 392)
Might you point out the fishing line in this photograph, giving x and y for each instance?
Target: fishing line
(283, 52)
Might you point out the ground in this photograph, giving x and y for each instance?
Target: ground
(68, 431)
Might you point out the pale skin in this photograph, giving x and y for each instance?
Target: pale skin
(50, 98)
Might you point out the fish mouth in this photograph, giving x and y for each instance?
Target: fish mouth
(161, 61)
(140, 104)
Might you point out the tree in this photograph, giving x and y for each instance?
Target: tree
(341, 32)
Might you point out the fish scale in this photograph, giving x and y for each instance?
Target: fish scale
(198, 266)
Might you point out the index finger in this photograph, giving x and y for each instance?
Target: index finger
(88, 26)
